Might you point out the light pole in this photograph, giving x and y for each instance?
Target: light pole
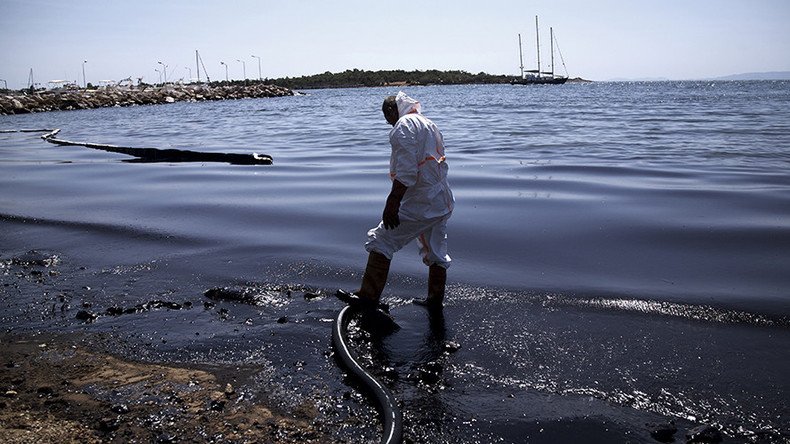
(165, 70)
(84, 81)
(226, 70)
(160, 74)
(190, 73)
(243, 68)
(260, 77)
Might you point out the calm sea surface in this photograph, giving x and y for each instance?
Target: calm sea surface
(620, 243)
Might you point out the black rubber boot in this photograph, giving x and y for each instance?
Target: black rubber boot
(437, 280)
(375, 317)
(373, 282)
(375, 277)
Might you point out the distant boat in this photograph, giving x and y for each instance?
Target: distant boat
(536, 76)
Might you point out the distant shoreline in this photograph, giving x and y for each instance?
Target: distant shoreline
(25, 101)
(35, 101)
(411, 84)
(356, 78)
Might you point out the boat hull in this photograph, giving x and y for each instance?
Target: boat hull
(540, 81)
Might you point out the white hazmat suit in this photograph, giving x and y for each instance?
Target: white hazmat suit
(418, 162)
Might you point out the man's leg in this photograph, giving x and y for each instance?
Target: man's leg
(382, 245)
(433, 247)
(375, 277)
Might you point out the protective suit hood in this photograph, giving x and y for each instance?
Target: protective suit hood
(406, 104)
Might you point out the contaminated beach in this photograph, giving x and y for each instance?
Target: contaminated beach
(619, 261)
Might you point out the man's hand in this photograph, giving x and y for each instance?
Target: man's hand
(390, 216)
(391, 208)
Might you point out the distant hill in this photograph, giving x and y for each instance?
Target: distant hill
(639, 79)
(356, 77)
(773, 75)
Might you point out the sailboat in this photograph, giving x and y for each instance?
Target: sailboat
(536, 76)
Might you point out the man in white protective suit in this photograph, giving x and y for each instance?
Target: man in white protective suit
(418, 206)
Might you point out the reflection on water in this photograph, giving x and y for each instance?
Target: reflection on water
(606, 188)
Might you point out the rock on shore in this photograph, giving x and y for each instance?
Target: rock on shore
(23, 103)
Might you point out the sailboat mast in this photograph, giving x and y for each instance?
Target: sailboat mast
(520, 56)
(551, 36)
(197, 65)
(537, 42)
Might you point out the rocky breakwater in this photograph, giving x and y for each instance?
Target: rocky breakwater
(40, 101)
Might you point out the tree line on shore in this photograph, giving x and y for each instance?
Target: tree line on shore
(357, 77)
(347, 79)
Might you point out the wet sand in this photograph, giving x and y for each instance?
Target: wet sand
(64, 377)
(137, 352)
(56, 389)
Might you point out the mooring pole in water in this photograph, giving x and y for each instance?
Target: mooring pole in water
(520, 56)
(537, 42)
(551, 38)
(391, 416)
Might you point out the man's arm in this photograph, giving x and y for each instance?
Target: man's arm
(391, 208)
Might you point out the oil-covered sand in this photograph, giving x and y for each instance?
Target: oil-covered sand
(65, 383)
(67, 389)
(112, 354)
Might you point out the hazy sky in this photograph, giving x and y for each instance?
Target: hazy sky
(599, 39)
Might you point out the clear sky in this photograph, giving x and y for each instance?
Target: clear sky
(599, 39)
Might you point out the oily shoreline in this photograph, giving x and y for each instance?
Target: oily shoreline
(61, 383)
(63, 100)
(59, 388)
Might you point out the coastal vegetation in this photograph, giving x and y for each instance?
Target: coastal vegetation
(356, 77)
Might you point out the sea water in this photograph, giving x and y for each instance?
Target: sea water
(619, 249)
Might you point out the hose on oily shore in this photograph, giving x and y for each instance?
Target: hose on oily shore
(390, 413)
(165, 155)
(33, 130)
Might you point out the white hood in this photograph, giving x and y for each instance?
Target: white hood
(406, 104)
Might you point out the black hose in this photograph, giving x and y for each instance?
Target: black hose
(165, 155)
(390, 413)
